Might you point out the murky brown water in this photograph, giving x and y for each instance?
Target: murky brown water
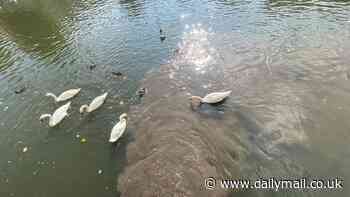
(277, 123)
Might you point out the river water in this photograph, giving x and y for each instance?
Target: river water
(286, 63)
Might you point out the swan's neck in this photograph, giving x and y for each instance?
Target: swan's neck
(52, 95)
(42, 117)
(84, 108)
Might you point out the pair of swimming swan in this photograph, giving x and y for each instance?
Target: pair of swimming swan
(97, 102)
(60, 113)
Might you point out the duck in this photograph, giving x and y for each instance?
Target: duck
(211, 98)
(162, 35)
(95, 104)
(68, 94)
(119, 128)
(57, 116)
(20, 90)
(141, 92)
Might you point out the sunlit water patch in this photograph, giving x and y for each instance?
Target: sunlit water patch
(196, 49)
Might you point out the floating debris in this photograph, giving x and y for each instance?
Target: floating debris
(171, 75)
(99, 171)
(20, 90)
(35, 172)
(121, 103)
(83, 140)
(25, 149)
(324, 100)
(205, 86)
(77, 135)
(6, 108)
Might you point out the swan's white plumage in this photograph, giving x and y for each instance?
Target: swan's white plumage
(95, 104)
(211, 98)
(215, 97)
(58, 115)
(119, 128)
(64, 95)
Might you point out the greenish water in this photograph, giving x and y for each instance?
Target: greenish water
(287, 61)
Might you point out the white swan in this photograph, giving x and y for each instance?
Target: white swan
(96, 103)
(57, 116)
(211, 98)
(119, 128)
(65, 95)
